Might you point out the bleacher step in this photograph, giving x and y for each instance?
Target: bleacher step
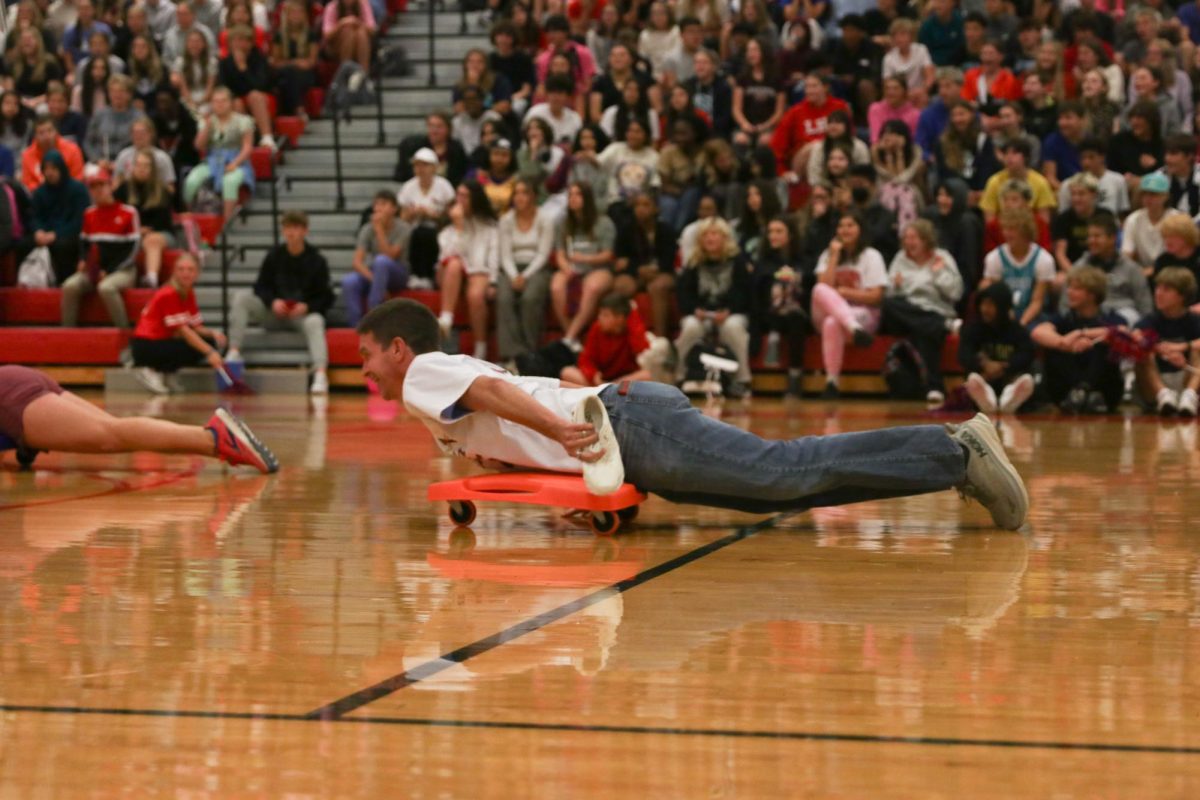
(204, 381)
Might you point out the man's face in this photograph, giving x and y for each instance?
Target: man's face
(56, 104)
(184, 17)
(424, 170)
(1014, 161)
(383, 365)
(101, 193)
(1083, 201)
(1090, 160)
(45, 135)
(610, 322)
(949, 90)
(814, 90)
(703, 66)
(1177, 163)
(988, 311)
(693, 35)
(556, 100)
(852, 36)
(1167, 300)
(294, 235)
(140, 135)
(472, 104)
(1099, 243)
(1070, 125)
(1077, 296)
(1009, 119)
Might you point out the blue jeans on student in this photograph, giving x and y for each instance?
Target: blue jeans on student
(387, 274)
(679, 211)
(671, 449)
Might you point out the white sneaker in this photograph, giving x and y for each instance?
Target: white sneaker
(320, 384)
(268, 141)
(1187, 403)
(606, 475)
(981, 393)
(152, 380)
(1015, 394)
(991, 478)
(174, 384)
(1167, 402)
(446, 323)
(419, 282)
(934, 398)
(234, 356)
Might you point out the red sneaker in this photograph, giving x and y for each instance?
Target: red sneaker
(236, 444)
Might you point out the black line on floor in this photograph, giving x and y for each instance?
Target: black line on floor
(356, 700)
(852, 738)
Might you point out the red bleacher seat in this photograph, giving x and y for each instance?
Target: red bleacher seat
(290, 128)
(262, 162)
(43, 307)
(62, 346)
(314, 102)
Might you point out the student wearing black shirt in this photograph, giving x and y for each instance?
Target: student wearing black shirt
(1068, 230)
(1164, 381)
(645, 261)
(1080, 377)
(857, 63)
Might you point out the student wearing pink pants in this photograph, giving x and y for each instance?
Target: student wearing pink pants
(846, 300)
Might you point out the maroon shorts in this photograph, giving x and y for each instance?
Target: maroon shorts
(20, 386)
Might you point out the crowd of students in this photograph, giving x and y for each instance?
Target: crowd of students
(777, 170)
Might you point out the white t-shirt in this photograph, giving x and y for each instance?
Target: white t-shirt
(912, 69)
(436, 382)
(1112, 194)
(439, 197)
(1141, 239)
(565, 128)
(867, 272)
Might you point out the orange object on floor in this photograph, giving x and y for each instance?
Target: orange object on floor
(539, 489)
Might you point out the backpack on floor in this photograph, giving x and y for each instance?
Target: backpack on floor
(546, 362)
(393, 62)
(696, 375)
(905, 372)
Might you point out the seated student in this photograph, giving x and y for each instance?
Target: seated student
(347, 28)
(38, 414)
(851, 277)
(1141, 237)
(782, 296)
(645, 261)
(70, 123)
(556, 112)
(1164, 381)
(1180, 167)
(378, 268)
(1181, 245)
(45, 139)
(247, 75)
(923, 287)
(227, 138)
(996, 353)
(469, 259)
(110, 240)
(424, 200)
(292, 292)
(58, 206)
(1015, 155)
(1128, 293)
(715, 290)
(295, 50)
(171, 335)
(144, 137)
(1080, 376)
(612, 347)
(1112, 193)
(523, 282)
(450, 160)
(1022, 264)
(109, 131)
(1069, 227)
(1060, 151)
(155, 202)
(584, 251)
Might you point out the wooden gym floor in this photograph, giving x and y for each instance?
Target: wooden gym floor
(169, 628)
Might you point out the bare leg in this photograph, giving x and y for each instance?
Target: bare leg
(573, 375)
(62, 423)
(560, 285)
(452, 280)
(595, 285)
(662, 290)
(256, 102)
(154, 244)
(477, 306)
(362, 48)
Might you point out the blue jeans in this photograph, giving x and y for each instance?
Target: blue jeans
(387, 276)
(679, 211)
(671, 449)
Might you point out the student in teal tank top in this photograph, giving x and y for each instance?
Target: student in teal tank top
(1021, 264)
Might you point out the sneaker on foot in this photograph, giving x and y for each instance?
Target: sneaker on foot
(234, 356)
(981, 393)
(152, 380)
(991, 477)
(268, 141)
(607, 474)
(862, 338)
(320, 384)
(934, 398)
(573, 345)
(795, 384)
(237, 444)
(832, 392)
(1167, 403)
(1016, 394)
(771, 357)
(1095, 404)
(1188, 402)
(1075, 401)
(737, 390)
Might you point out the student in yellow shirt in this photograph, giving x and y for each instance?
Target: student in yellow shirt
(1015, 155)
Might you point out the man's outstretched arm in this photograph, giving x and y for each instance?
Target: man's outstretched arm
(507, 401)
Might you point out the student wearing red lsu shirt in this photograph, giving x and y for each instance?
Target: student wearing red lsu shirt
(610, 352)
(170, 334)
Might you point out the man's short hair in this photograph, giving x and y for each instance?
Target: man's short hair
(617, 303)
(1180, 279)
(1106, 221)
(1091, 144)
(978, 19)
(1091, 279)
(1071, 107)
(864, 171)
(949, 74)
(384, 194)
(1019, 146)
(503, 28)
(688, 22)
(559, 83)
(1182, 227)
(294, 218)
(405, 319)
(556, 22)
(43, 119)
(1083, 180)
(1180, 143)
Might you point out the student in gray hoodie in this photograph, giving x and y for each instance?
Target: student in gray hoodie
(923, 286)
(1128, 292)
